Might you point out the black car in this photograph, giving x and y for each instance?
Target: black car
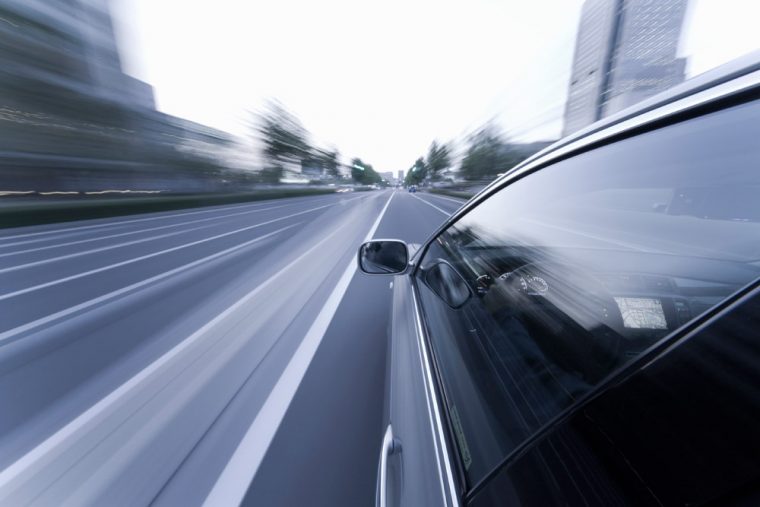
(586, 330)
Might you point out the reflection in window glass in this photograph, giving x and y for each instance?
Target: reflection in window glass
(582, 266)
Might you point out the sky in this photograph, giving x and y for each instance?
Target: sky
(381, 80)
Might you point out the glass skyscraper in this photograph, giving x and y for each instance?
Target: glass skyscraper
(626, 51)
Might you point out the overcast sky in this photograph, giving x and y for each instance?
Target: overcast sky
(381, 80)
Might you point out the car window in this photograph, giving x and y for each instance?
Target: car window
(681, 431)
(570, 272)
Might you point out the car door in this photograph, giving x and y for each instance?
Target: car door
(415, 466)
(536, 299)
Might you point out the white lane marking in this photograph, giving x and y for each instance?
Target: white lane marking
(140, 231)
(101, 249)
(70, 430)
(121, 222)
(233, 482)
(11, 333)
(431, 204)
(51, 283)
(438, 196)
(112, 223)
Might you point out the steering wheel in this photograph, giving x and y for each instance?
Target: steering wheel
(569, 313)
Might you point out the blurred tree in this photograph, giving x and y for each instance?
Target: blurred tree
(363, 173)
(417, 173)
(488, 154)
(285, 139)
(438, 159)
(357, 170)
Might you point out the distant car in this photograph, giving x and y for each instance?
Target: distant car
(412, 188)
(586, 330)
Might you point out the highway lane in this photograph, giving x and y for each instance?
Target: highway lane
(53, 331)
(24, 274)
(328, 447)
(153, 358)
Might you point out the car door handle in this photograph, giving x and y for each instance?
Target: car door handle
(390, 446)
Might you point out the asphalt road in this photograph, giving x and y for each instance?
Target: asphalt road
(209, 356)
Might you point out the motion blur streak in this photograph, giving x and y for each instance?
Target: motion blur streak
(100, 249)
(122, 234)
(179, 318)
(111, 224)
(231, 486)
(212, 327)
(124, 290)
(147, 256)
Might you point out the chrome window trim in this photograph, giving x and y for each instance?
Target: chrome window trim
(645, 118)
(434, 412)
(627, 121)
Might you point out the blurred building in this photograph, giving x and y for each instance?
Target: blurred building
(73, 120)
(626, 51)
(311, 168)
(591, 64)
(401, 175)
(64, 46)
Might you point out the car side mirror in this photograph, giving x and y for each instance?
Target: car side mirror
(447, 284)
(383, 257)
